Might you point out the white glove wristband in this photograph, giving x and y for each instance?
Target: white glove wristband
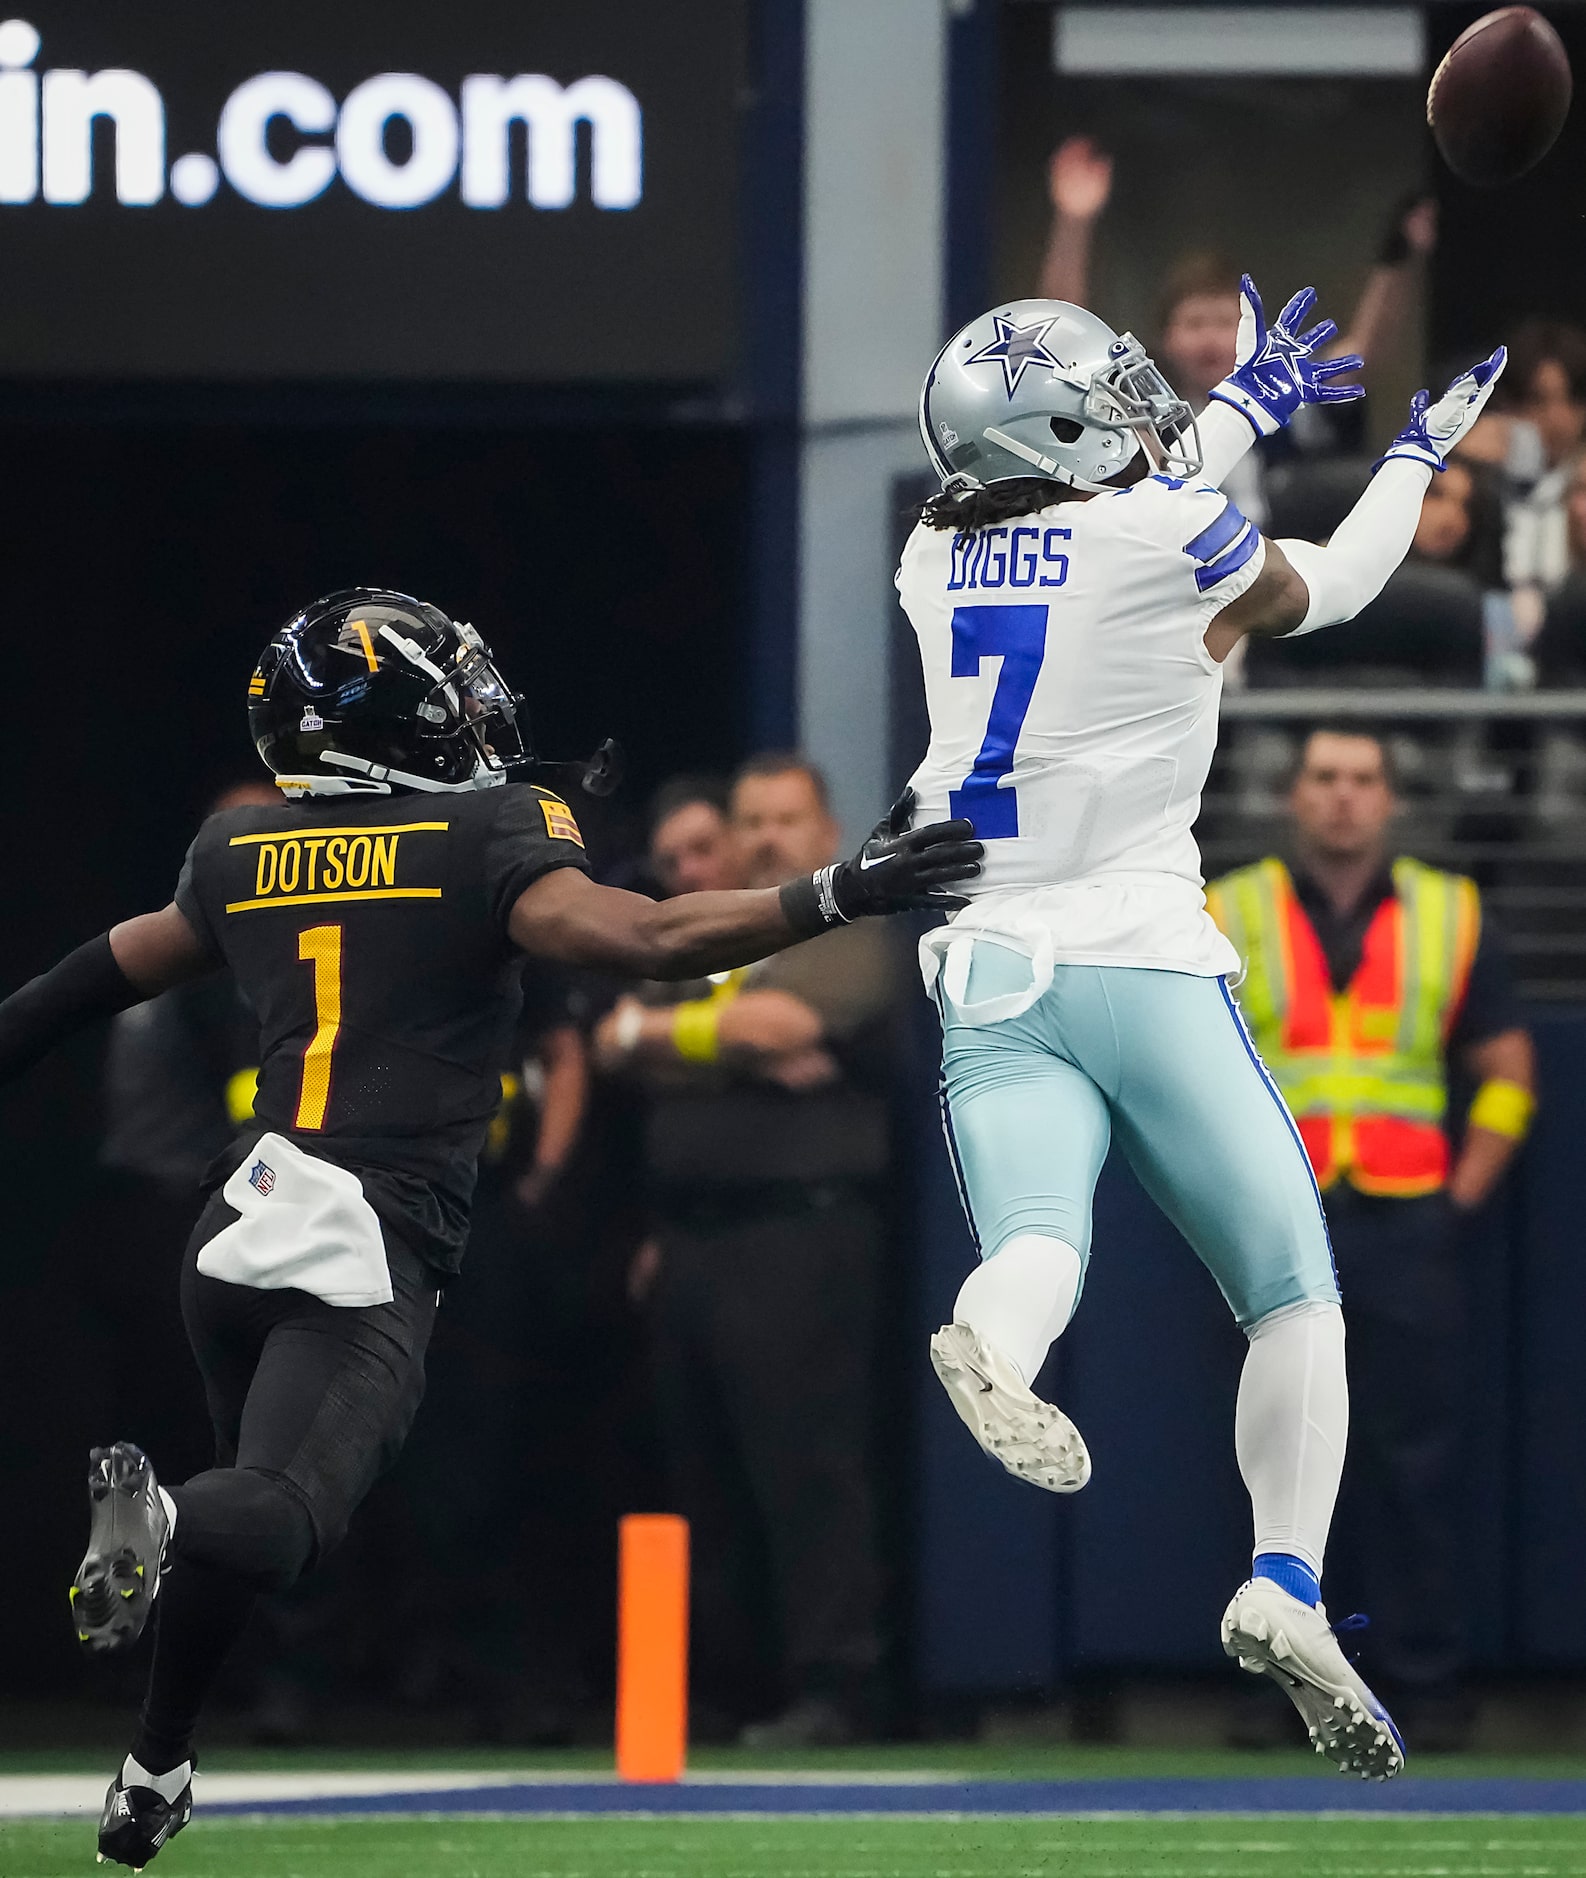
(1231, 394)
(1414, 453)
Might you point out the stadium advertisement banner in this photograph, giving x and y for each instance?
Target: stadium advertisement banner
(489, 190)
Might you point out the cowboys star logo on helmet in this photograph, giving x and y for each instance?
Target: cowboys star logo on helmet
(1016, 348)
(1094, 400)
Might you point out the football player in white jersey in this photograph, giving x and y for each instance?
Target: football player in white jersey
(1075, 590)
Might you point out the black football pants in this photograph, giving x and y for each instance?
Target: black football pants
(310, 1405)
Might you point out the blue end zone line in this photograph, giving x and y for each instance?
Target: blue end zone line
(1291, 1795)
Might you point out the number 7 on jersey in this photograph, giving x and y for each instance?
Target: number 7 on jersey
(1018, 635)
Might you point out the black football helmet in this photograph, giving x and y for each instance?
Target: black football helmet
(366, 691)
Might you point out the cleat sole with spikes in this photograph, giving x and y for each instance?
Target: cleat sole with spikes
(1034, 1440)
(119, 1578)
(1270, 1633)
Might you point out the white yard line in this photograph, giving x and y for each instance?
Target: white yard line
(33, 1794)
(22, 1794)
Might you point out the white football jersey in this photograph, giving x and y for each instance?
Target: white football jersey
(1073, 709)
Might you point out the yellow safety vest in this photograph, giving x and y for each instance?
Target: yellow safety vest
(1362, 1069)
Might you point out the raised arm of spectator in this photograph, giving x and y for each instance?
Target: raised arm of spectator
(1388, 296)
(1303, 586)
(1079, 182)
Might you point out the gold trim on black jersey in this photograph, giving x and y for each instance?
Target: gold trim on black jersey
(324, 899)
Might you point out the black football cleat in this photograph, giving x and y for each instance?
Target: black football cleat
(119, 1577)
(136, 1822)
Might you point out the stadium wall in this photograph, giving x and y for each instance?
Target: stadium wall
(1019, 1593)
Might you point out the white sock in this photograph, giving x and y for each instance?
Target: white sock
(167, 1786)
(170, 1516)
(1291, 1427)
(1021, 1298)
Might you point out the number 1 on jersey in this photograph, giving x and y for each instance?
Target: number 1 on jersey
(320, 946)
(1018, 635)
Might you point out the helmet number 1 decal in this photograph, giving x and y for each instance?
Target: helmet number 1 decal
(320, 946)
(361, 628)
(1018, 635)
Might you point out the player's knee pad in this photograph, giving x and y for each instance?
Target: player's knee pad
(285, 1541)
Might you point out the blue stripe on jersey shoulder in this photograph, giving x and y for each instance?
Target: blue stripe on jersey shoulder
(1217, 535)
(1232, 561)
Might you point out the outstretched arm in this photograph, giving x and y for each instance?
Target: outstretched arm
(1303, 586)
(133, 961)
(567, 916)
(1274, 374)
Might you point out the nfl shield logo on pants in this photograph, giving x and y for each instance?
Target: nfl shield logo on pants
(262, 1177)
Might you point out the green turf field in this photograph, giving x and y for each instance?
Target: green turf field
(1214, 1847)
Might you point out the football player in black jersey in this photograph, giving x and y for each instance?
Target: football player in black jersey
(375, 920)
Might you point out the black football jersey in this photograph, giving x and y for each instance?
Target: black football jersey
(369, 935)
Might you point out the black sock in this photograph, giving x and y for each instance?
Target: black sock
(200, 1614)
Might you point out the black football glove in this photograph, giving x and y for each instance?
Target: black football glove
(898, 870)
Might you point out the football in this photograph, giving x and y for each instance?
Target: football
(1498, 101)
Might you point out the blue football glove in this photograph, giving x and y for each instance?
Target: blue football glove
(1434, 429)
(1275, 374)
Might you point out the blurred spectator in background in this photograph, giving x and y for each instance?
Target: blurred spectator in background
(1431, 624)
(1533, 441)
(692, 850)
(1461, 524)
(1561, 648)
(691, 842)
(1198, 320)
(766, 1137)
(1370, 984)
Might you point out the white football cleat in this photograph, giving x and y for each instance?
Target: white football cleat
(1273, 1634)
(1030, 1437)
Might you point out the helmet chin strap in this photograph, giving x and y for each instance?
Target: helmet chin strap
(376, 779)
(1048, 465)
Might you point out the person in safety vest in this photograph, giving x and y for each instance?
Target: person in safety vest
(1372, 985)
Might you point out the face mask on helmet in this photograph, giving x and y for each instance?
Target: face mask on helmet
(1130, 393)
(478, 702)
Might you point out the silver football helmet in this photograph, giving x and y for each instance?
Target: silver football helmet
(1043, 388)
